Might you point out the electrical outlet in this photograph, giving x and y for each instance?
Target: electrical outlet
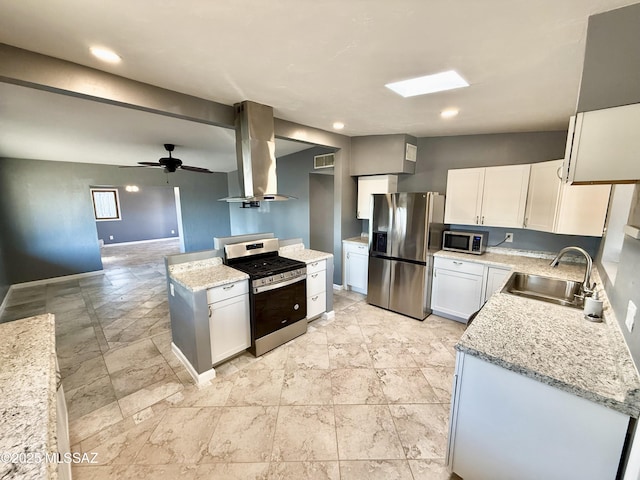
(631, 315)
(110, 237)
(508, 237)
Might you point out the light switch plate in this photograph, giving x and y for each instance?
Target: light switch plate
(631, 315)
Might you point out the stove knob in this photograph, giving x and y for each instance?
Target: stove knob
(282, 275)
(271, 279)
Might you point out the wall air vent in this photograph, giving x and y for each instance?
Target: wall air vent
(324, 161)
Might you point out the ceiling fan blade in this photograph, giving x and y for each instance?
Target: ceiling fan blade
(195, 169)
(150, 164)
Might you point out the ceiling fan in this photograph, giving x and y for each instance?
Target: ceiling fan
(171, 164)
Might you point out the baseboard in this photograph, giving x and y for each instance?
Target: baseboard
(201, 379)
(106, 245)
(64, 278)
(5, 299)
(449, 317)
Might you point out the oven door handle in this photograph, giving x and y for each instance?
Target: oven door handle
(273, 286)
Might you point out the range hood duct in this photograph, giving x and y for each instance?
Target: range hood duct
(255, 150)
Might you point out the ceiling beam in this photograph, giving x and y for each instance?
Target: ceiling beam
(34, 70)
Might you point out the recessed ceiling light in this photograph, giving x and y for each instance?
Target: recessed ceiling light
(338, 125)
(105, 55)
(437, 82)
(449, 112)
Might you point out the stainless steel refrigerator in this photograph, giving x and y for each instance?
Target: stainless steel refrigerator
(405, 229)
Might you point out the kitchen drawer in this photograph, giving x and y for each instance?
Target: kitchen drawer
(316, 266)
(471, 268)
(316, 282)
(316, 304)
(362, 248)
(217, 294)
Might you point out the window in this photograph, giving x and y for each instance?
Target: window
(105, 204)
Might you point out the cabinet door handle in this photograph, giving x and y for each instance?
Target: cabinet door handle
(314, 264)
(314, 275)
(558, 172)
(229, 287)
(314, 298)
(348, 253)
(210, 311)
(457, 263)
(477, 219)
(526, 220)
(482, 220)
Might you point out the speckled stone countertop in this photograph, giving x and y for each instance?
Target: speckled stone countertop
(298, 252)
(204, 274)
(28, 400)
(551, 343)
(364, 240)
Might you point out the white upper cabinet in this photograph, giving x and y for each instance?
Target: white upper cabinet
(560, 208)
(543, 196)
(604, 146)
(491, 196)
(370, 185)
(504, 196)
(582, 209)
(463, 202)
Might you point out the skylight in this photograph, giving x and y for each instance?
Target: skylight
(437, 82)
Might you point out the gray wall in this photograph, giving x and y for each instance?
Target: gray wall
(321, 212)
(48, 229)
(611, 77)
(437, 155)
(147, 214)
(627, 281)
(287, 219)
(611, 73)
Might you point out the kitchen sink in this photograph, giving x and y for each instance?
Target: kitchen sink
(545, 289)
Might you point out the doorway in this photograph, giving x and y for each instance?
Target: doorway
(131, 213)
(321, 203)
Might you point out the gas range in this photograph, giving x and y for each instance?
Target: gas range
(269, 269)
(278, 295)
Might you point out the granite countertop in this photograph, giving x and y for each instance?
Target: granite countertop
(551, 343)
(364, 240)
(204, 274)
(304, 254)
(28, 402)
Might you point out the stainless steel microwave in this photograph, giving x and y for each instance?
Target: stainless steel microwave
(466, 242)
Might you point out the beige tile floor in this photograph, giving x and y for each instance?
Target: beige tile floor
(364, 395)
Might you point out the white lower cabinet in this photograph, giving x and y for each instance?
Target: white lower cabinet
(495, 278)
(460, 287)
(457, 289)
(229, 325)
(316, 288)
(356, 266)
(505, 425)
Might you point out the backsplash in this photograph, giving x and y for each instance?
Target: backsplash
(532, 239)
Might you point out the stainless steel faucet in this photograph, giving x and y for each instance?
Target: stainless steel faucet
(587, 287)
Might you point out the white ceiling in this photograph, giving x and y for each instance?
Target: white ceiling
(315, 62)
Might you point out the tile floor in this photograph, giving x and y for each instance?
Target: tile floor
(364, 395)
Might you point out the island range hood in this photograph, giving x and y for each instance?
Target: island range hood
(255, 150)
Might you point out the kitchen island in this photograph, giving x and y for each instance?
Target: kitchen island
(209, 303)
(540, 392)
(28, 404)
